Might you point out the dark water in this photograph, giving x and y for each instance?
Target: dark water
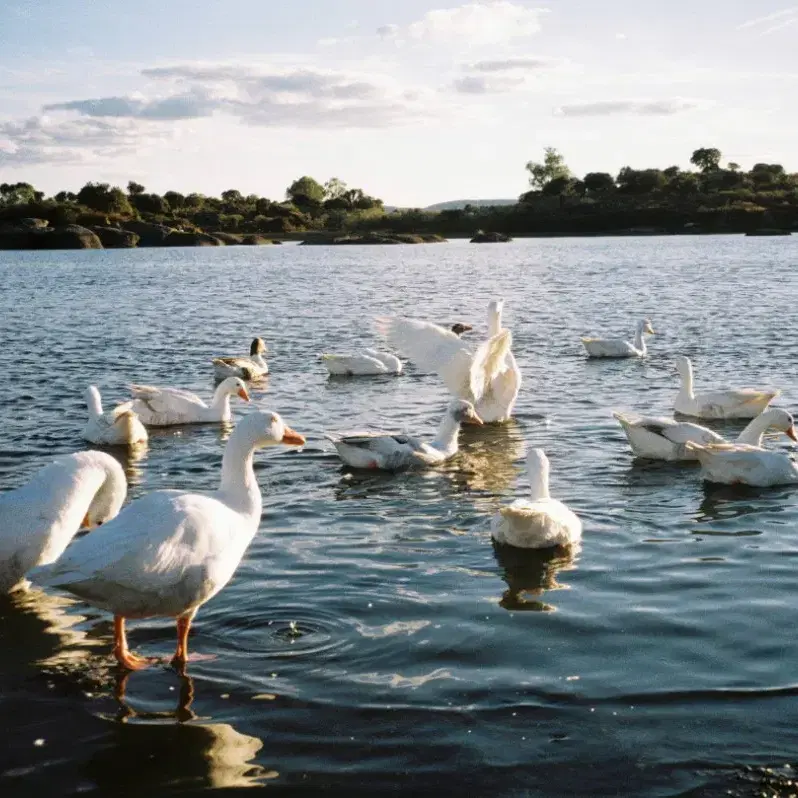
(372, 639)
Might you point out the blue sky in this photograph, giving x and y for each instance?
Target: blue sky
(415, 101)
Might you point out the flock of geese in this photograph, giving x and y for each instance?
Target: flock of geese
(168, 552)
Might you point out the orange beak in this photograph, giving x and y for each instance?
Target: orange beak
(85, 522)
(291, 438)
(242, 392)
(791, 434)
(475, 419)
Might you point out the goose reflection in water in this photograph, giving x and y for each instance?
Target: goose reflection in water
(169, 747)
(488, 459)
(531, 572)
(40, 628)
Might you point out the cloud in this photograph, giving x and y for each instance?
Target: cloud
(481, 84)
(777, 15)
(497, 76)
(55, 139)
(295, 97)
(637, 107)
(476, 23)
(530, 63)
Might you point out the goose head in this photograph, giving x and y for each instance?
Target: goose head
(459, 328)
(781, 420)
(267, 428)
(644, 325)
(683, 366)
(232, 386)
(537, 471)
(257, 347)
(463, 412)
(110, 497)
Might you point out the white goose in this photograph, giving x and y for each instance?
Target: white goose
(728, 403)
(369, 363)
(468, 374)
(665, 439)
(38, 519)
(540, 523)
(164, 407)
(618, 347)
(170, 551)
(389, 452)
(501, 392)
(117, 427)
(250, 368)
(738, 464)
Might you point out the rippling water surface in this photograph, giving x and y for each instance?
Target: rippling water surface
(372, 639)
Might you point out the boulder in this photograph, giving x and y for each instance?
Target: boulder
(114, 238)
(230, 239)
(257, 240)
(178, 238)
(69, 236)
(150, 234)
(490, 238)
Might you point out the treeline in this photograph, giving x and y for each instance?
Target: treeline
(710, 198)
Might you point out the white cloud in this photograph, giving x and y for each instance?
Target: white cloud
(292, 97)
(59, 139)
(526, 63)
(778, 15)
(487, 84)
(637, 107)
(476, 23)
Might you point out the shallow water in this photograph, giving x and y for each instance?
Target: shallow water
(372, 638)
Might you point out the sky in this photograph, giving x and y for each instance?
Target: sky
(414, 101)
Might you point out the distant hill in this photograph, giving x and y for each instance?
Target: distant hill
(458, 204)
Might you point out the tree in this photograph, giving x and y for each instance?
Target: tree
(334, 188)
(559, 186)
(553, 166)
(305, 191)
(134, 189)
(640, 181)
(17, 193)
(175, 199)
(149, 203)
(102, 197)
(599, 182)
(671, 172)
(733, 167)
(707, 159)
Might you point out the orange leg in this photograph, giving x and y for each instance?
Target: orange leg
(123, 654)
(181, 652)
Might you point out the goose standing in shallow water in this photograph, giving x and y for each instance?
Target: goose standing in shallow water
(738, 464)
(165, 407)
(727, 403)
(665, 439)
(387, 452)
(618, 347)
(170, 551)
(38, 519)
(540, 523)
(469, 374)
(250, 368)
(369, 363)
(118, 427)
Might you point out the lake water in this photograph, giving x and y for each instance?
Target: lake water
(661, 660)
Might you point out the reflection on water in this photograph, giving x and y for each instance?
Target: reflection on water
(490, 460)
(529, 573)
(45, 629)
(170, 748)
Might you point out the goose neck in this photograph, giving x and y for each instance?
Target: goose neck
(447, 438)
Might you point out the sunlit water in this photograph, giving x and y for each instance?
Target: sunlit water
(371, 638)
